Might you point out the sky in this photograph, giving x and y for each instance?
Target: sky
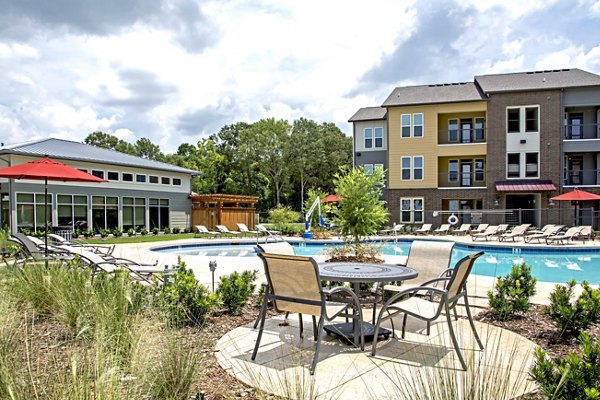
(176, 71)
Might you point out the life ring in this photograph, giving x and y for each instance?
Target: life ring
(453, 219)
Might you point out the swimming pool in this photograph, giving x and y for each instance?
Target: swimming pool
(548, 265)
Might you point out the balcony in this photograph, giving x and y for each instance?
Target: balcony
(461, 180)
(582, 177)
(461, 136)
(581, 131)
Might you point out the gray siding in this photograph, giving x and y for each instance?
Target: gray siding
(581, 97)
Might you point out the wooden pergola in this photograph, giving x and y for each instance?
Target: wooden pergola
(224, 209)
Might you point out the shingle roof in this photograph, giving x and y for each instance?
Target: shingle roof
(427, 94)
(369, 114)
(537, 80)
(65, 149)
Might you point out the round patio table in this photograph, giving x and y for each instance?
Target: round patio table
(356, 273)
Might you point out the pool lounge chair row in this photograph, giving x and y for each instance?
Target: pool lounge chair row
(242, 230)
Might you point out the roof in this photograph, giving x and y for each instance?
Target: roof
(525, 185)
(427, 94)
(369, 114)
(69, 150)
(537, 80)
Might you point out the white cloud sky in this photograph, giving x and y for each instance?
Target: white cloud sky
(179, 70)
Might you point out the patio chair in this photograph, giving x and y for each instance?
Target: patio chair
(502, 229)
(263, 230)
(480, 228)
(462, 230)
(295, 287)
(96, 248)
(423, 230)
(487, 234)
(223, 230)
(546, 232)
(429, 308)
(517, 232)
(585, 233)
(244, 230)
(204, 230)
(442, 230)
(394, 231)
(564, 238)
(32, 249)
(431, 259)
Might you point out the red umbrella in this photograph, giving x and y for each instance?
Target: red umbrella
(332, 198)
(47, 169)
(576, 196)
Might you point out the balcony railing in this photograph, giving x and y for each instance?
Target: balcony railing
(462, 136)
(464, 179)
(585, 177)
(581, 131)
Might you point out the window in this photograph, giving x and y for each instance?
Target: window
(112, 176)
(134, 212)
(417, 125)
(514, 167)
(72, 210)
(140, 178)
(98, 173)
(453, 171)
(30, 211)
(368, 138)
(453, 130)
(127, 177)
(83, 170)
(378, 138)
(165, 180)
(159, 213)
(479, 129)
(153, 179)
(405, 125)
(411, 210)
(176, 181)
(418, 167)
(479, 170)
(405, 168)
(522, 119)
(378, 166)
(368, 169)
(105, 212)
(531, 165)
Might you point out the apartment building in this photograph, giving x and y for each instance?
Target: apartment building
(492, 150)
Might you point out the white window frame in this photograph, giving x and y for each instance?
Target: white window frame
(141, 178)
(454, 130)
(99, 173)
(411, 125)
(527, 165)
(378, 136)
(412, 210)
(130, 174)
(453, 178)
(150, 177)
(368, 169)
(479, 172)
(403, 168)
(112, 172)
(414, 169)
(523, 118)
(421, 125)
(508, 171)
(368, 135)
(176, 182)
(404, 125)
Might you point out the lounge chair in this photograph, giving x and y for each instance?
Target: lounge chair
(295, 287)
(489, 232)
(201, 229)
(442, 230)
(225, 231)
(263, 230)
(585, 233)
(564, 238)
(517, 232)
(546, 232)
(394, 231)
(244, 230)
(502, 229)
(423, 230)
(462, 230)
(430, 308)
(480, 228)
(96, 248)
(32, 249)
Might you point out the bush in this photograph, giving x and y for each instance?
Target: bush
(143, 231)
(512, 292)
(572, 377)
(176, 230)
(282, 217)
(155, 231)
(88, 234)
(117, 232)
(572, 318)
(130, 232)
(76, 233)
(235, 289)
(166, 230)
(104, 233)
(185, 301)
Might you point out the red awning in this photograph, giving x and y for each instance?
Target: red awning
(524, 185)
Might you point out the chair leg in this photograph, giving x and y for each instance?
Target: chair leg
(454, 340)
(301, 326)
(315, 330)
(376, 332)
(262, 317)
(263, 310)
(472, 323)
(313, 366)
(404, 318)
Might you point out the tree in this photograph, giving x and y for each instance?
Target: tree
(146, 149)
(361, 210)
(110, 142)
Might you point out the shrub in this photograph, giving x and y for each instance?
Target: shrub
(130, 232)
(176, 230)
(104, 233)
(76, 233)
(88, 234)
(173, 374)
(235, 289)
(512, 292)
(143, 231)
(166, 230)
(185, 301)
(573, 317)
(155, 231)
(282, 217)
(572, 377)
(117, 232)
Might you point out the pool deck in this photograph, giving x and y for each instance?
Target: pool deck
(401, 369)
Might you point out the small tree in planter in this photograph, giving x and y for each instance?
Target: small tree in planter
(361, 212)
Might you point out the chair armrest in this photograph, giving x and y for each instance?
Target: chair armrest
(344, 289)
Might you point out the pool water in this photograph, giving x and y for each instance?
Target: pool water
(548, 265)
